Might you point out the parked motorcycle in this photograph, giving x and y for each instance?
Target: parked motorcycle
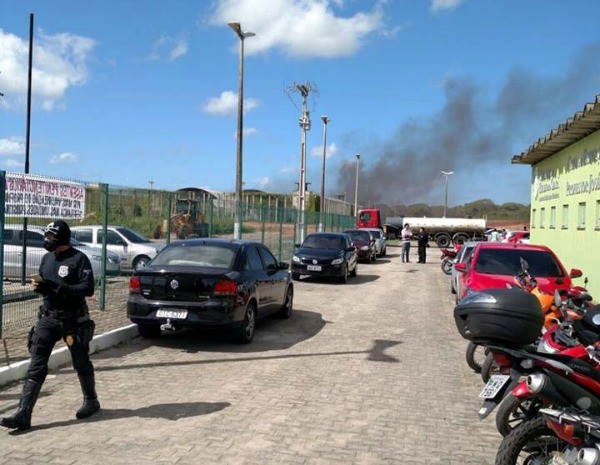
(448, 256)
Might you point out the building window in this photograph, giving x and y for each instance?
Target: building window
(565, 217)
(597, 214)
(552, 217)
(581, 216)
(542, 217)
(533, 212)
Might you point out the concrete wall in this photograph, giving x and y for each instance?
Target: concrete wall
(565, 207)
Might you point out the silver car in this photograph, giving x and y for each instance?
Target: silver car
(463, 256)
(134, 249)
(13, 252)
(380, 241)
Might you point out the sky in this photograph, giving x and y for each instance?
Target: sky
(143, 93)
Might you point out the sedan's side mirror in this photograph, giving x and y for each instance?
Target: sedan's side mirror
(283, 265)
(351, 249)
(462, 267)
(575, 273)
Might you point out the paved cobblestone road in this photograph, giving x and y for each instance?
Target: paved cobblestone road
(371, 372)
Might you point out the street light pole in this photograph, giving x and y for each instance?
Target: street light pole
(322, 205)
(237, 226)
(356, 186)
(446, 174)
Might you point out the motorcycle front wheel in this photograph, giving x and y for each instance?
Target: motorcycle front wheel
(533, 442)
(447, 266)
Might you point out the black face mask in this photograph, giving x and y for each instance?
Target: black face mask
(50, 246)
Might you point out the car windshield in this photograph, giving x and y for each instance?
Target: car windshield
(323, 242)
(376, 234)
(133, 236)
(212, 256)
(361, 236)
(508, 262)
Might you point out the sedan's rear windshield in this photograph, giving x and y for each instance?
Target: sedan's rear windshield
(362, 236)
(508, 262)
(322, 241)
(212, 256)
(133, 236)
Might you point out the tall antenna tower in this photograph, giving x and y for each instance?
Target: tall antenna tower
(304, 122)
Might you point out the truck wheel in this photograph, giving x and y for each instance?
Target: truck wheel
(181, 232)
(460, 238)
(157, 232)
(443, 240)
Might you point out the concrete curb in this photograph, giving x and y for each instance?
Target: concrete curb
(61, 357)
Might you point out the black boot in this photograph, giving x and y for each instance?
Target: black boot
(21, 419)
(90, 399)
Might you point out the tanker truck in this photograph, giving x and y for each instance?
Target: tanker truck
(444, 231)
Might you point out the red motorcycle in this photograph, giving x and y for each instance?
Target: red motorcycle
(448, 256)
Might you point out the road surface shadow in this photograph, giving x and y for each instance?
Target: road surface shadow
(172, 412)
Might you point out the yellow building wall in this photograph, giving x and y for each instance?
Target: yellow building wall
(565, 208)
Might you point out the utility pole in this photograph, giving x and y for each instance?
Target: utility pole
(322, 203)
(304, 122)
(356, 186)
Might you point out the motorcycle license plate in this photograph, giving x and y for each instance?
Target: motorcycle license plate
(493, 386)
(175, 314)
(313, 267)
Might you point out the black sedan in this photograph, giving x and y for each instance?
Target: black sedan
(325, 254)
(209, 282)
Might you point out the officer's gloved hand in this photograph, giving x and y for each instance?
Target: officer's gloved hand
(43, 287)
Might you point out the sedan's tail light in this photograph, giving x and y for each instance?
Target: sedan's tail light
(225, 288)
(135, 285)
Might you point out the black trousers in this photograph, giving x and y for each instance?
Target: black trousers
(422, 253)
(47, 332)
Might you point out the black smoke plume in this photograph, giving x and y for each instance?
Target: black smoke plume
(472, 134)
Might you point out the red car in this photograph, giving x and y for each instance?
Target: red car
(495, 265)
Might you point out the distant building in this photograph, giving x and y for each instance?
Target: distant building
(565, 192)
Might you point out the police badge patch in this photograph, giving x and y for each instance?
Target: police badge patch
(63, 271)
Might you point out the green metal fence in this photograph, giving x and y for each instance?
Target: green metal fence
(160, 216)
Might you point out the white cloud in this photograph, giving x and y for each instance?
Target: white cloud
(10, 163)
(287, 169)
(59, 62)
(226, 104)
(301, 28)
(262, 183)
(12, 146)
(248, 132)
(332, 149)
(63, 158)
(440, 5)
(166, 46)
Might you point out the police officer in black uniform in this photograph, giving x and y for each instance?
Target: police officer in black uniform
(65, 279)
(422, 244)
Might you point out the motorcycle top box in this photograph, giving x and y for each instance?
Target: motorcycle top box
(506, 316)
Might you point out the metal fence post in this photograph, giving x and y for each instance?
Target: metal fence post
(263, 224)
(2, 202)
(280, 236)
(168, 228)
(102, 300)
(211, 216)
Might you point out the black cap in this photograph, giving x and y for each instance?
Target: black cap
(60, 230)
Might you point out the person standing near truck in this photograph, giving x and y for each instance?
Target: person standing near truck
(405, 236)
(422, 244)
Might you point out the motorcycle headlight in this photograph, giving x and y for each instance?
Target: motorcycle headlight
(364, 247)
(295, 259)
(337, 261)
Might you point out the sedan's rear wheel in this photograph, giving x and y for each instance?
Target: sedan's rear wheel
(288, 303)
(245, 333)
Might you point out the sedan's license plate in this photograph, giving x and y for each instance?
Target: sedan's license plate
(176, 314)
(313, 267)
(493, 386)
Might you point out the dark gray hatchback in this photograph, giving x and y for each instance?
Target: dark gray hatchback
(326, 254)
(209, 282)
